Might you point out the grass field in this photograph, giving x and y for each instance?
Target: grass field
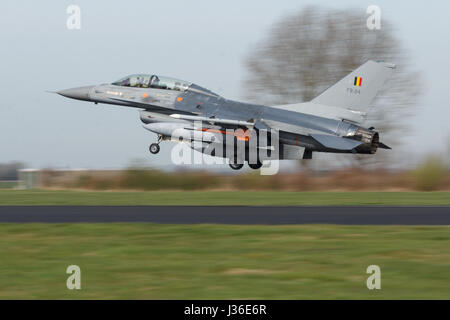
(8, 184)
(44, 197)
(148, 261)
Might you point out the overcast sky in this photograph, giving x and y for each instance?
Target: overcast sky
(201, 41)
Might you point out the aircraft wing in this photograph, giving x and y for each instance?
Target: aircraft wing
(327, 140)
(325, 111)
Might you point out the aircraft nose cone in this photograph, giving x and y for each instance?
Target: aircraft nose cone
(80, 93)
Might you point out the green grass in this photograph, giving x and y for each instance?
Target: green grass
(8, 184)
(43, 197)
(148, 261)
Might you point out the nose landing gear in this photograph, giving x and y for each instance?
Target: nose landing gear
(154, 147)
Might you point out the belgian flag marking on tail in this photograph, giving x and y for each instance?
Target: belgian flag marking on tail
(358, 81)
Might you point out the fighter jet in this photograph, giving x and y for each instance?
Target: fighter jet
(331, 122)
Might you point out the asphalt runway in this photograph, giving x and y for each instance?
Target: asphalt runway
(244, 215)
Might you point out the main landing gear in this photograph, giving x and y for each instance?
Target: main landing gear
(255, 166)
(236, 166)
(154, 147)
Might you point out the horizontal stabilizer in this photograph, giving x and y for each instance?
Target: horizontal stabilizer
(337, 143)
(383, 146)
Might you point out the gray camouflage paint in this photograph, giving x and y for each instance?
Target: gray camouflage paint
(305, 130)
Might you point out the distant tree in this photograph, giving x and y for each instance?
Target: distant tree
(307, 52)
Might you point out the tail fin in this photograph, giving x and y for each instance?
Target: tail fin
(357, 90)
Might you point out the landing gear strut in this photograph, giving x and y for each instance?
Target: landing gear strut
(154, 147)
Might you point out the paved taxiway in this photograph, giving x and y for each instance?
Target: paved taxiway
(364, 215)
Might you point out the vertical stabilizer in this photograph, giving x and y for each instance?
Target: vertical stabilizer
(357, 90)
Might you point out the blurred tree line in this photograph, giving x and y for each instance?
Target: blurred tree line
(431, 174)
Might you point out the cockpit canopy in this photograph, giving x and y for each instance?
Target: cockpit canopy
(152, 81)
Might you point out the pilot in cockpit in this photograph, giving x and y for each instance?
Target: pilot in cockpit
(154, 82)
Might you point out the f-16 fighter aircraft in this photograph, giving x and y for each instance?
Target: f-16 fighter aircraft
(331, 122)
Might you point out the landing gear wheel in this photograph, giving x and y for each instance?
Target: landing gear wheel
(236, 166)
(255, 166)
(154, 148)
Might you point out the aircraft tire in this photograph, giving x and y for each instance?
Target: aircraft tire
(154, 148)
(255, 166)
(236, 166)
